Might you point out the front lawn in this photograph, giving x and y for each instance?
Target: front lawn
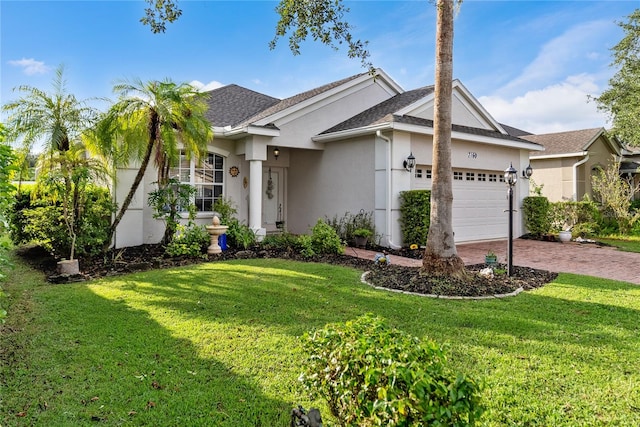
(217, 344)
(627, 243)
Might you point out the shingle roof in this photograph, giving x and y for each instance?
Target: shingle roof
(233, 104)
(564, 142)
(382, 112)
(296, 99)
(514, 131)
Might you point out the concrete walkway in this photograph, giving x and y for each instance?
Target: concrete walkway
(578, 258)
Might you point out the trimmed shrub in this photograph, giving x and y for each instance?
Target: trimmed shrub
(372, 375)
(325, 240)
(536, 215)
(415, 211)
(582, 218)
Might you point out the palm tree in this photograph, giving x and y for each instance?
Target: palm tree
(56, 121)
(53, 120)
(440, 256)
(154, 118)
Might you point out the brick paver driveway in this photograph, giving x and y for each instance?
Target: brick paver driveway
(579, 258)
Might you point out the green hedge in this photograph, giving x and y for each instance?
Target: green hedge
(37, 218)
(536, 215)
(415, 211)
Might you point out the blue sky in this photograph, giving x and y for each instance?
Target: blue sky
(532, 64)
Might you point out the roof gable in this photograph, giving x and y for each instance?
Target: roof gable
(570, 142)
(466, 110)
(314, 98)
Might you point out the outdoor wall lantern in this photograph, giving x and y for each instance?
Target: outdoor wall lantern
(510, 177)
(410, 163)
(276, 152)
(526, 174)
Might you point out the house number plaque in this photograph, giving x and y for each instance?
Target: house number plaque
(473, 155)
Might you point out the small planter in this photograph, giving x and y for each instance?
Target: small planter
(564, 236)
(490, 259)
(360, 241)
(68, 267)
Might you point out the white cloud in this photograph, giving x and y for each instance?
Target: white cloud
(31, 66)
(561, 55)
(206, 87)
(554, 108)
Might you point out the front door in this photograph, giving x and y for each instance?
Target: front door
(272, 198)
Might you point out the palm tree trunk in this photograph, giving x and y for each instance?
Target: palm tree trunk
(440, 256)
(138, 179)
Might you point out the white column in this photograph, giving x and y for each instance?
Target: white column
(255, 198)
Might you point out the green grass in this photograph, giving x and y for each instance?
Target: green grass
(627, 243)
(217, 345)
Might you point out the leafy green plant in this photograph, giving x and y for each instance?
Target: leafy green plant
(190, 240)
(349, 223)
(415, 210)
(36, 217)
(325, 240)
(536, 215)
(615, 194)
(168, 201)
(4, 265)
(238, 235)
(373, 375)
(362, 232)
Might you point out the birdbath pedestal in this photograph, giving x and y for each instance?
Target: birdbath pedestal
(215, 230)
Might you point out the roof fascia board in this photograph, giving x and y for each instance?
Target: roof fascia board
(325, 98)
(422, 130)
(559, 156)
(476, 108)
(467, 99)
(250, 130)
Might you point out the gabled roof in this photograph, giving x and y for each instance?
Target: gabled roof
(385, 114)
(233, 104)
(514, 131)
(382, 112)
(563, 143)
(297, 99)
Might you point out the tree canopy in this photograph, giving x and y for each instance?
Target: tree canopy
(622, 99)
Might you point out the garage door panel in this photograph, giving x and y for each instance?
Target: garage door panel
(479, 207)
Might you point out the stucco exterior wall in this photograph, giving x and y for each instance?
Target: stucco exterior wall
(331, 182)
(296, 130)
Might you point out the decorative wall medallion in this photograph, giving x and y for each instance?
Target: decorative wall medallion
(234, 171)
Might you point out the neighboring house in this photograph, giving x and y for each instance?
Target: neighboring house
(569, 160)
(341, 148)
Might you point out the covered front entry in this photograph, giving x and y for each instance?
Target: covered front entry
(273, 198)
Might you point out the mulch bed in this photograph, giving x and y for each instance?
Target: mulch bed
(410, 279)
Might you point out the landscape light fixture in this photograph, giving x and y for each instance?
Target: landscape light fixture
(510, 177)
(410, 163)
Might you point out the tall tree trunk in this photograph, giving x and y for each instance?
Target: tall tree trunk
(153, 134)
(440, 256)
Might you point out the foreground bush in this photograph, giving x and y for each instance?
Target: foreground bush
(375, 376)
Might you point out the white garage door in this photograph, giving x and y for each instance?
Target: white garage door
(479, 203)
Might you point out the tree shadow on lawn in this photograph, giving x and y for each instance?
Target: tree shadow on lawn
(275, 294)
(118, 365)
